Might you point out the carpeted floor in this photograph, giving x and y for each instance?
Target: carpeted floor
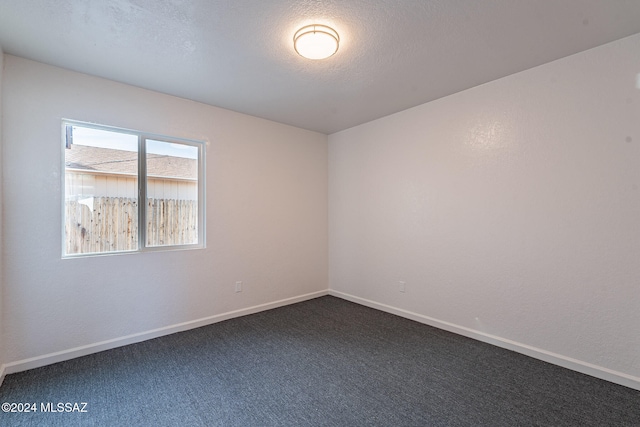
(324, 362)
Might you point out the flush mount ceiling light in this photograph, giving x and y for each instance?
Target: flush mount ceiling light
(316, 41)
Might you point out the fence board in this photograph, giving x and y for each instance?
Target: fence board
(111, 224)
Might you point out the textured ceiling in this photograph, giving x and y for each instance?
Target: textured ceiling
(238, 54)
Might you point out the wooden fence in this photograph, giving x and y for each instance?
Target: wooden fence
(108, 224)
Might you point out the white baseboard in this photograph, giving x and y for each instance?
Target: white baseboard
(556, 359)
(60, 356)
(547, 356)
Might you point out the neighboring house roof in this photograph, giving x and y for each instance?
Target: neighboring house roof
(108, 161)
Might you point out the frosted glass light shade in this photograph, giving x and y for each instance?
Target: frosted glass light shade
(316, 41)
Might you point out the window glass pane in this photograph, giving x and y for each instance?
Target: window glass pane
(172, 193)
(101, 191)
(104, 176)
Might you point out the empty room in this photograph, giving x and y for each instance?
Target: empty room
(320, 213)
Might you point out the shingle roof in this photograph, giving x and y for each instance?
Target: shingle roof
(110, 161)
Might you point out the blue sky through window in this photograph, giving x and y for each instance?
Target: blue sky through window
(129, 142)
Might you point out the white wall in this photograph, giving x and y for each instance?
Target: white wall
(266, 189)
(511, 211)
(2, 346)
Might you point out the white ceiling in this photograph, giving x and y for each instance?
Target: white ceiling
(238, 54)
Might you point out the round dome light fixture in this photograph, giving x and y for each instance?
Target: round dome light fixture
(316, 41)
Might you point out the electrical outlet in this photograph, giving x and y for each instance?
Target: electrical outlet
(238, 286)
(402, 286)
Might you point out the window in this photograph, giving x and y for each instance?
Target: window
(108, 171)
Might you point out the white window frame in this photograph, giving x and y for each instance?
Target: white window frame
(142, 189)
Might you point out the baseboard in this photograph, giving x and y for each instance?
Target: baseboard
(60, 356)
(547, 356)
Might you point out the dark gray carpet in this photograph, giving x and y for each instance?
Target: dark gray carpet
(324, 362)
